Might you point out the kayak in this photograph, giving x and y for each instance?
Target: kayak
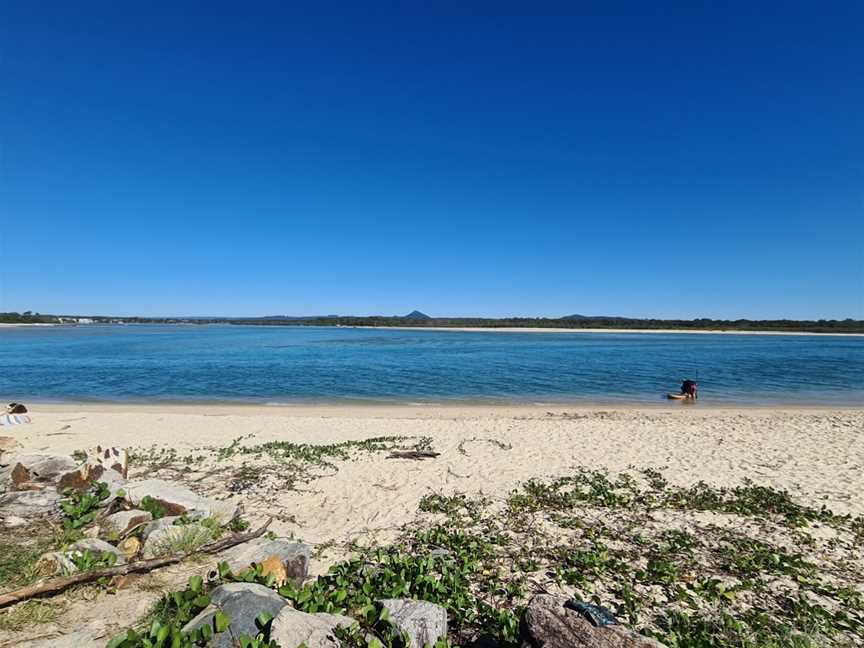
(675, 396)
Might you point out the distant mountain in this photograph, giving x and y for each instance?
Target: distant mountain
(417, 315)
(591, 317)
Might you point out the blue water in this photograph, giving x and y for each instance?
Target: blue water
(275, 364)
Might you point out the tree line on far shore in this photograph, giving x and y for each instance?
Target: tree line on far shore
(700, 324)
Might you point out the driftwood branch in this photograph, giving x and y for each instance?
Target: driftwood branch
(56, 585)
(418, 455)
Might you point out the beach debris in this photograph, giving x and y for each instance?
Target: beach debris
(418, 455)
(294, 556)
(423, 622)
(124, 521)
(179, 500)
(56, 585)
(242, 603)
(295, 628)
(549, 622)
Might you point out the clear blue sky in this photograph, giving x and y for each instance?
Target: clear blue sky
(643, 159)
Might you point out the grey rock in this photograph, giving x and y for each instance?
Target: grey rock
(295, 555)
(242, 602)
(29, 504)
(125, 521)
(422, 621)
(84, 638)
(42, 468)
(548, 624)
(12, 521)
(176, 538)
(178, 500)
(97, 547)
(293, 628)
(155, 525)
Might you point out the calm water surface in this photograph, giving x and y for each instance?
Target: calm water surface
(287, 364)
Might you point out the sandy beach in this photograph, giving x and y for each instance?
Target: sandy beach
(817, 454)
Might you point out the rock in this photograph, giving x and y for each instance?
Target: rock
(55, 562)
(42, 468)
(12, 521)
(30, 486)
(295, 628)
(125, 521)
(178, 500)
(97, 547)
(19, 475)
(242, 602)
(89, 474)
(423, 622)
(273, 565)
(116, 459)
(84, 638)
(29, 504)
(175, 539)
(295, 556)
(548, 624)
(130, 547)
(156, 525)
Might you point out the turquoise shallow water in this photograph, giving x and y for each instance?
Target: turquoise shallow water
(276, 364)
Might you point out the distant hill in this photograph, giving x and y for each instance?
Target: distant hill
(417, 315)
(591, 317)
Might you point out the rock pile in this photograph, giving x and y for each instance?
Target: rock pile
(33, 485)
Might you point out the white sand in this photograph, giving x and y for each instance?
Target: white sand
(818, 454)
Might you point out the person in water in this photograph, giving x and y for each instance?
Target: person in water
(689, 389)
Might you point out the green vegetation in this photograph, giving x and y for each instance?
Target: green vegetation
(27, 318)
(696, 567)
(266, 467)
(571, 322)
(577, 322)
(80, 508)
(20, 550)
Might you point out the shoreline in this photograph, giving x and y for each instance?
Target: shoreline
(517, 329)
(462, 329)
(431, 410)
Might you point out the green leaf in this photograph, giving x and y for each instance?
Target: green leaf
(263, 619)
(221, 621)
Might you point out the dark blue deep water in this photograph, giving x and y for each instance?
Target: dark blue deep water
(273, 364)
